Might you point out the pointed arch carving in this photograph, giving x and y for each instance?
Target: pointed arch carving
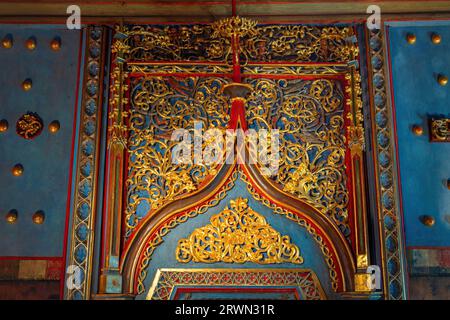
(137, 255)
(287, 197)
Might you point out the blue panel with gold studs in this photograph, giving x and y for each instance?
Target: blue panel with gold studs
(38, 96)
(420, 61)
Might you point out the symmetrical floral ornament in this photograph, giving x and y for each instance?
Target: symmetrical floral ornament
(309, 115)
(159, 107)
(440, 130)
(158, 238)
(163, 97)
(258, 43)
(29, 125)
(238, 235)
(356, 141)
(234, 26)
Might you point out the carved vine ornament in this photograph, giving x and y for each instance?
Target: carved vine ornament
(237, 235)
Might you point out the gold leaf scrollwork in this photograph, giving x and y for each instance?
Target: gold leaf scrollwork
(29, 125)
(159, 107)
(238, 26)
(440, 129)
(356, 141)
(309, 115)
(238, 235)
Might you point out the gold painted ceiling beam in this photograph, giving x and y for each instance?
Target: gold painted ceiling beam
(198, 10)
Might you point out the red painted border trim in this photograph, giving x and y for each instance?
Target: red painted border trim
(126, 155)
(340, 78)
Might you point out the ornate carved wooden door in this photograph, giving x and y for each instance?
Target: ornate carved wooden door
(193, 230)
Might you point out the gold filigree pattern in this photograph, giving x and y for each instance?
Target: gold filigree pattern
(157, 239)
(234, 26)
(261, 43)
(313, 168)
(167, 280)
(117, 130)
(238, 235)
(175, 43)
(159, 107)
(152, 69)
(301, 222)
(355, 130)
(29, 125)
(298, 43)
(440, 130)
(296, 70)
(309, 115)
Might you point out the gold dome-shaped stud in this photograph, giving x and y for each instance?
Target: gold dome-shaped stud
(3, 125)
(55, 44)
(54, 126)
(427, 220)
(27, 84)
(7, 42)
(39, 217)
(30, 44)
(442, 80)
(17, 170)
(11, 216)
(435, 38)
(417, 130)
(411, 38)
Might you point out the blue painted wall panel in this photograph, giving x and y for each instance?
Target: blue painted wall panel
(46, 159)
(424, 166)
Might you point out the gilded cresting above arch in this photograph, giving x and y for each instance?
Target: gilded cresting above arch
(156, 239)
(238, 234)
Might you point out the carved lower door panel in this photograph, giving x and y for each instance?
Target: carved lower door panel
(290, 225)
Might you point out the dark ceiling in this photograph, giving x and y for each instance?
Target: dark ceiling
(202, 10)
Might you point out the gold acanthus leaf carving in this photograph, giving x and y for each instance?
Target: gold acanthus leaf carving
(238, 235)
